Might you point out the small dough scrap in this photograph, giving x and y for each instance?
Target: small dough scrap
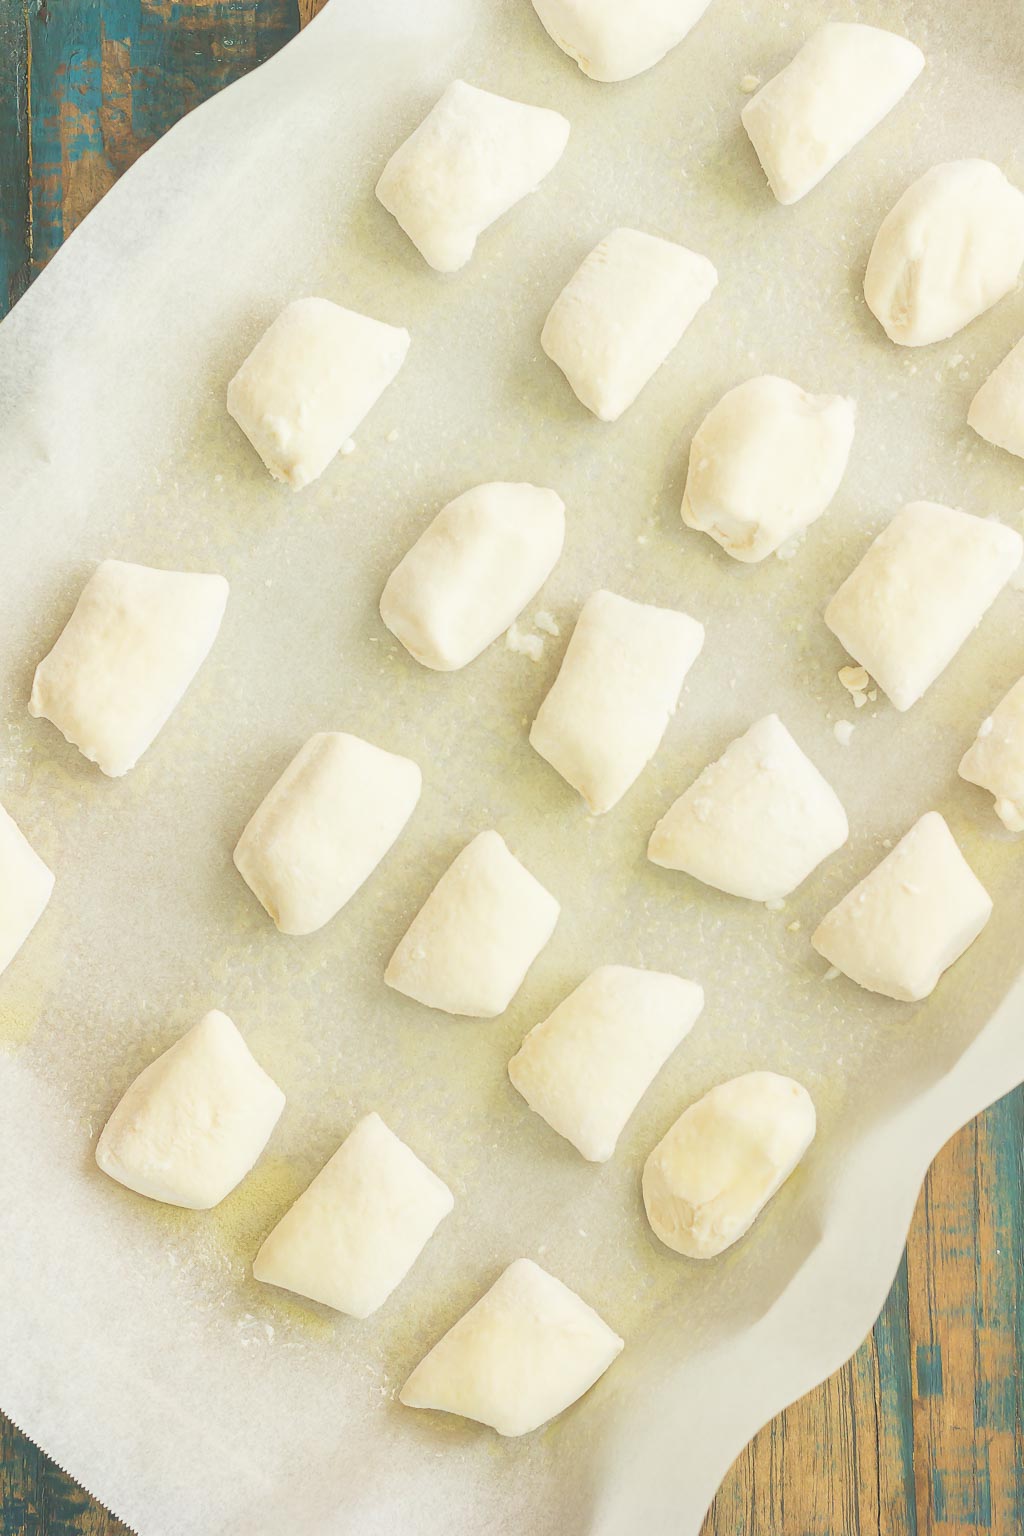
(309, 381)
(356, 1232)
(586, 1067)
(711, 1176)
(194, 1121)
(472, 942)
(995, 760)
(473, 157)
(125, 657)
(26, 885)
(324, 827)
(611, 40)
(997, 410)
(910, 919)
(471, 573)
(755, 823)
(525, 1352)
(616, 690)
(951, 248)
(765, 463)
(621, 314)
(920, 590)
(844, 80)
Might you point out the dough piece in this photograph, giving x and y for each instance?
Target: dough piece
(711, 1176)
(473, 571)
(308, 383)
(840, 85)
(194, 1121)
(755, 823)
(611, 40)
(324, 827)
(920, 590)
(617, 688)
(995, 760)
(125, 657)
(997, 410)
(950, 249)
(356, 1232)
(26, 886)
(471, 159)
(910, 918)
(526, 1351)
(765, 463)
(621, 314)
(588, 1065)
(472, 942)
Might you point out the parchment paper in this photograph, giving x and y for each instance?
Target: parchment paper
(134, 1344)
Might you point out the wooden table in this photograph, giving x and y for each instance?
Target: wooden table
(922, 1431)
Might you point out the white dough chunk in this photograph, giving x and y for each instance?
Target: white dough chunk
(526, 1351)
(997, 410)
(765, 463)
(472, 942)
(309, 381)
(356, 1232)
(586, 1067)
(324, 827)
(840, 85)
(995, 760)
(471, 573)
(920, 590)
(711, 1176)
(951, 248)
(621, 314)
(910, 919)
(613, 39)
(194, 1121)
(125, 657)
(756, 822)
(26, 885)
(474, 156)
(616, 690)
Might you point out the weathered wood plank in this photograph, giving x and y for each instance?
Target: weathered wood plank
(15, 224)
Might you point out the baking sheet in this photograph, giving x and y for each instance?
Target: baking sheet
(134, 1344)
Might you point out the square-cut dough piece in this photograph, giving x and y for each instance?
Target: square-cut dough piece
(613, 39)
(324, 827)
(756, 822)
(840, 85)
(923, 586)
(995, 759)
(473, 571)
(26, 885)
(471, 159)
(309, 381)
(621, 314)
(997, 410)
(910, 918)
(526, 1351)
(586, 1067)
(194, 1121)
(472, 942)
(125, 657)
(616, 690)
(356, 1232)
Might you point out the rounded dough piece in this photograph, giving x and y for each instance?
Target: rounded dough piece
(995, 760)
(26, 885)
(997, 410)
(613, 40)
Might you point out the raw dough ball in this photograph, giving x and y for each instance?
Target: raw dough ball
(477, 934)
(615, 40)
(527, 1350)
(756, 822)
(473, 571)
(324, 827)
(356, 1232)
(588, 1065)
(765, 463)
(840, 85)
(711, 1176)
(125, 657)
(470, 160)
(920, 590)
(997, 410)
(194, 1121)
(996, 758)
(617, 688)
(949, 250)
(910, 918)
(308, 383)
(26, 885)
(618, 318)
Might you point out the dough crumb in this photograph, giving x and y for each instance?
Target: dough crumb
(854, 679)
(776, 904)
(348, 446)
(547, 622)
(843, 732)
(392, 436)
(794, 926)
(831, 974)
(791, 547)
(524, 645)
(749, 84)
